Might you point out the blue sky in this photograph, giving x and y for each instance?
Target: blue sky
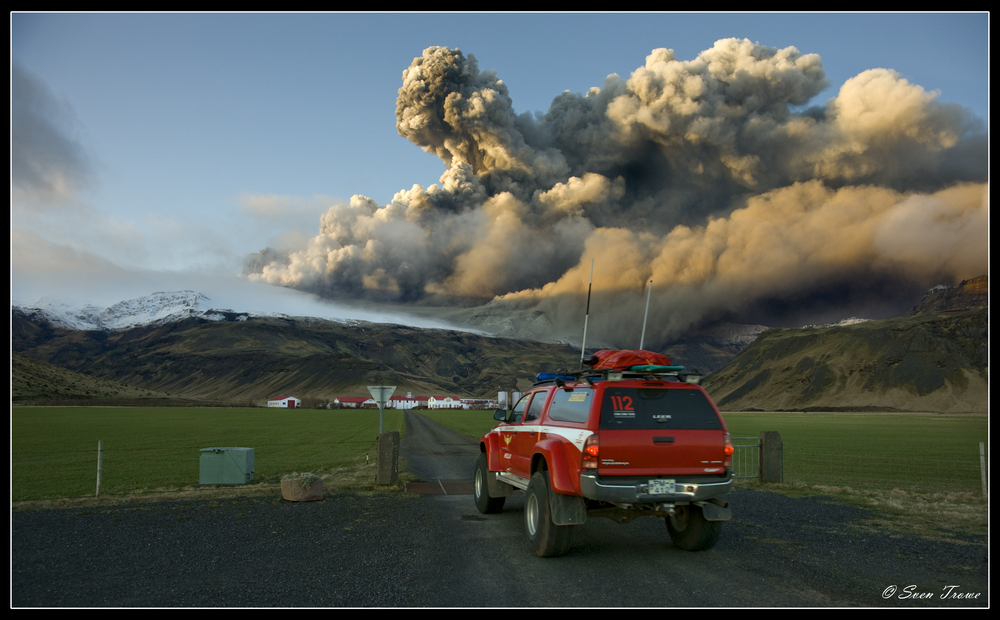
(204, 138)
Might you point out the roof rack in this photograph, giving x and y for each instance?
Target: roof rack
(648, 372)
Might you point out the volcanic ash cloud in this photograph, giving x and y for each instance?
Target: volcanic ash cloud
(709, 176)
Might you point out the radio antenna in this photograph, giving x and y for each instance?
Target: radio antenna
(642, 339)
(586, 316)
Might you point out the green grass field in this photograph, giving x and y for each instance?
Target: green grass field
(916, 452)
(54, 449)
(930, 453)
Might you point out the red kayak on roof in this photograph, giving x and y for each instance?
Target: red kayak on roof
(610, 359)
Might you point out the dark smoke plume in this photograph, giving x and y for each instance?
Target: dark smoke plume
(708, 176)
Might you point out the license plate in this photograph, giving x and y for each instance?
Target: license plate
(661, 487)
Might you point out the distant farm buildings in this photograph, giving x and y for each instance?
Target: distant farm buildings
(351, 402)
(412, 402)
(285, 402)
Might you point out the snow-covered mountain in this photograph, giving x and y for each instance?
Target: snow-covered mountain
(164, 307)
(154, 309)
(843, 323)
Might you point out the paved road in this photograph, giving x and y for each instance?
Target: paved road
(437, 550)
(434, 452)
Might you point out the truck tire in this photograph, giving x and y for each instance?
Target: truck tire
(691, 531)
(481, 488)
(547, 540)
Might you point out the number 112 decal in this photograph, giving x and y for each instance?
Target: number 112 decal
(622, 403)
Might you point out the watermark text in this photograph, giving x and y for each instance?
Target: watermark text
(912, 592)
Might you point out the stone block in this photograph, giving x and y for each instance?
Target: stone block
(301, 488)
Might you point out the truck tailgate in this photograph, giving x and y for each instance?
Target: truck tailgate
(663, 452)
(659, 431)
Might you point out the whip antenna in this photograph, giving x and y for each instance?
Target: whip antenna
(642, 339)
(586, 316)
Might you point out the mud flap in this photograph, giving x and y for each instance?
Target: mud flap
(567, 509)
(497, 487)
(715, 512)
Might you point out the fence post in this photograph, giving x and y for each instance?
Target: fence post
(770, 457)
(100, 457)
(387, 458)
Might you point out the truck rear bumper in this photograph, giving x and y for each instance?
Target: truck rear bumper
(635, 490)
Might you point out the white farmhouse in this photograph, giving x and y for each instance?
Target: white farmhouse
(407, 402)
(444, 402)
(285, 402)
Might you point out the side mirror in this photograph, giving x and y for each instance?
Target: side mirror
(500, 415)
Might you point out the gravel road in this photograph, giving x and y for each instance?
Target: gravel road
(437, 550)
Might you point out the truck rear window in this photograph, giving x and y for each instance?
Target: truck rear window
(650, 409)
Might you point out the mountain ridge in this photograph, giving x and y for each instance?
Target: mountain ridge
(251, 360)
(707, 350)
(935, 358)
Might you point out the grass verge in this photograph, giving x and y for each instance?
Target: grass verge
(357, 478)
(951, 517)
(156, 450)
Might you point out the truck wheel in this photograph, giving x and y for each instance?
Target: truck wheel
(691, 531)
(547, 539)
(481, 488)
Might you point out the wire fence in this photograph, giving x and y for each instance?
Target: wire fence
(873, 471)
(746, 457)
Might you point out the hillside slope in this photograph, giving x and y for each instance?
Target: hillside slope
(927, 362)
(248, 360)
(36, 382)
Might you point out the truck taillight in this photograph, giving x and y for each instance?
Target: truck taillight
(591, 447)
(727, 450)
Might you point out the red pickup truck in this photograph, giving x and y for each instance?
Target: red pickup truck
(618, 443)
